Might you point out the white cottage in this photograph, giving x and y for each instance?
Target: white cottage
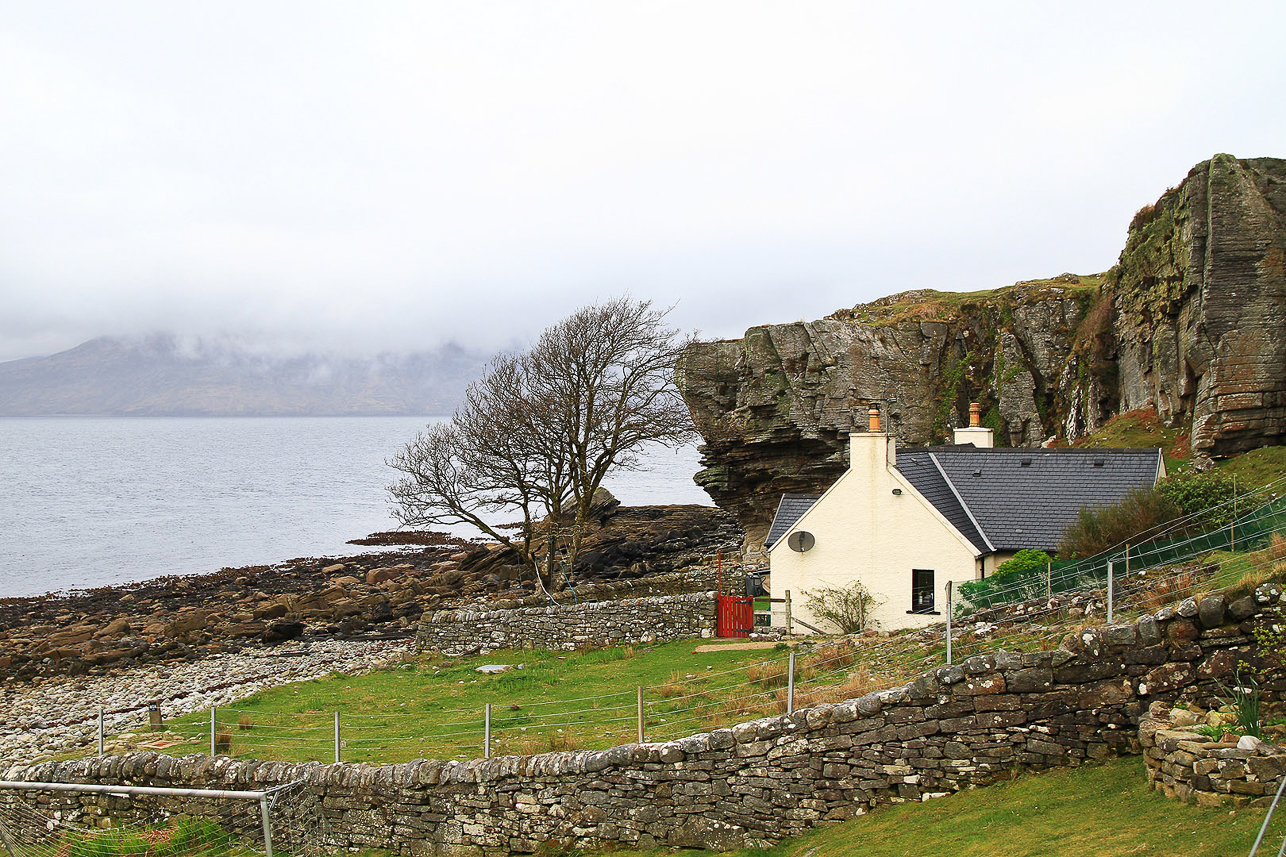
(906, 523)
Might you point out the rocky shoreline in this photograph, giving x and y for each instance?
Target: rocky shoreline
(204, 640)
(376, 596)
(61, 714)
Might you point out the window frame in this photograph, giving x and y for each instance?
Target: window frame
(918, 588)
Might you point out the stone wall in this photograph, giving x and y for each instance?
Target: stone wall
(952, 728)
(698, 578)
(1189, 766)
(565, 627)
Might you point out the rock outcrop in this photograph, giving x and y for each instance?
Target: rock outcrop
(1200, 300)
(776, 407)
(1191, 321)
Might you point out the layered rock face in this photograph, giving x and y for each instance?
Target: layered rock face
(776, 407)
(1200, 299)
(1192, 321)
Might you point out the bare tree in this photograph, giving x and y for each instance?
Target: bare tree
(541, 430)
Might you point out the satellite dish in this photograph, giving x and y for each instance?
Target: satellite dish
(800, 541)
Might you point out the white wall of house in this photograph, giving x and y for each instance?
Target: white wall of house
(865, 532)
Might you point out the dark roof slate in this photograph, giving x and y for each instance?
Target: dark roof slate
(921, 471)
(791, 508)
(1026, 498)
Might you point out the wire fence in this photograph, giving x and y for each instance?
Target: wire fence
(1164, 568)
(1219, 528)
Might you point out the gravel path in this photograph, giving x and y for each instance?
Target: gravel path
(61, 714)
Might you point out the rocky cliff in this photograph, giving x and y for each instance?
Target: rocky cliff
(1200, 305)
(1192, 320)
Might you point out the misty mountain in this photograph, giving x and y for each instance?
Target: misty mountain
(162, 375)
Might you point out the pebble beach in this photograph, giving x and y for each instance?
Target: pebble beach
(60, 714)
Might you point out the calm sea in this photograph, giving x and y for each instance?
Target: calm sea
(93, 501)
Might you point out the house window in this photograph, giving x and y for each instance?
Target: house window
(921, 591)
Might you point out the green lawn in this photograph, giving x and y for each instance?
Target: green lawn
(1256, 468)
(433, 707)
(1094, 811)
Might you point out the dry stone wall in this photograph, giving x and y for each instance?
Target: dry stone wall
(952, 728)
(565, 627)
(1187, 765)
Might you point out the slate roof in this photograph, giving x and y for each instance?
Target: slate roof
(924, 472)
(1011, 499)
(1007, 499)
(791, 508)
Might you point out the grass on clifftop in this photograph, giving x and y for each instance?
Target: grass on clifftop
(933, 305)
(1102, 810)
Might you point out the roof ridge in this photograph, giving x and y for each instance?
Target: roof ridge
(1014, 450)
(963, 505)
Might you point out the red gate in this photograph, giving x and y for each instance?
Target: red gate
(736, 615)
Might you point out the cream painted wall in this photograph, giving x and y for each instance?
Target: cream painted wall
(864, 531)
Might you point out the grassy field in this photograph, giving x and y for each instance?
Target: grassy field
(1256, 468)
(1096, 811)
(433, 707)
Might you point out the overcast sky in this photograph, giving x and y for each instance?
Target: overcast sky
(393, 175)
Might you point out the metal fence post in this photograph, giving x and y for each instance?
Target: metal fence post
(214, 719)
(265, 815)
(1110, 586)
(486, 737)
(1049, 580)
(640, 715)
(790, 685)
(336, 737)
(1232, 525)
(101, 730)
(788, 631)
(948, 623)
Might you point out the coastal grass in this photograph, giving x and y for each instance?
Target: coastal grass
(1256, 468)
(934, 305)
(1101, 810)
(432, 707)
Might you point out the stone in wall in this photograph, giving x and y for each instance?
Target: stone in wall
(1190, 767)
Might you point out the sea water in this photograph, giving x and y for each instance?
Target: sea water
(94, 501)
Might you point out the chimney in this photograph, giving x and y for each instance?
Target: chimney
(983, 438)
(872, 449)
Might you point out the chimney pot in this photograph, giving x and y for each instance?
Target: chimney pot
(873, 418)
(975, 415)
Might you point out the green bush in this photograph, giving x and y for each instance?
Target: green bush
(1204, 498)
(1198, 493)
(1097, 530)
(1024, 560)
